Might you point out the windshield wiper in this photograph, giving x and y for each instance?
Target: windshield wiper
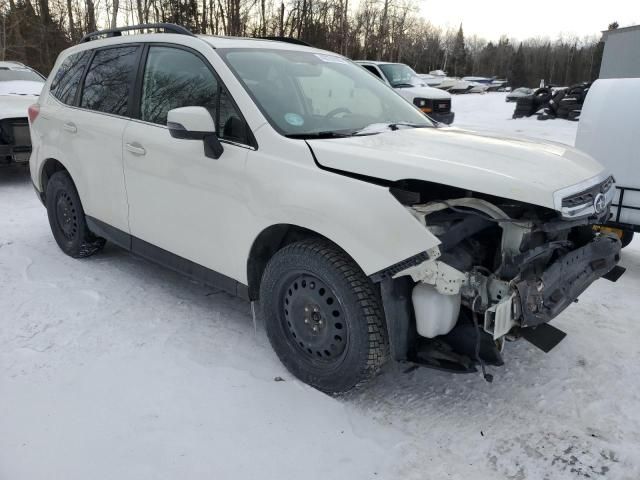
(381, 127)
(314, 135)
(403, 85)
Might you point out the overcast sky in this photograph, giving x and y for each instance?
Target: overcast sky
(533, 18)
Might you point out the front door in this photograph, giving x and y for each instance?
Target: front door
(179, 199)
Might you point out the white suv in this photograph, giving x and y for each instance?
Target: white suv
(291, 177)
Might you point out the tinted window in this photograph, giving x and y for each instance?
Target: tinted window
(175, 78)
(65, 83)
(231, 126)
(109, 80)
(373, 70)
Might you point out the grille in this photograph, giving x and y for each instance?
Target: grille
(441, 106)
(15, 131)
(586, 197)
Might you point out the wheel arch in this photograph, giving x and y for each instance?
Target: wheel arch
(48, 168)
(268, 242)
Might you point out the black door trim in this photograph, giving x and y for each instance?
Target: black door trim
(167, 259)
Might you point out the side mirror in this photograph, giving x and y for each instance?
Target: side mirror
(195, 123)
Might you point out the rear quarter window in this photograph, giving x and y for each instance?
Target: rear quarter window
(66, 80)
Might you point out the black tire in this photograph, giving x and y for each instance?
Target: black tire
(574, 115)
(67, 219)
(323, 316)
(627, 238)
(542, 97)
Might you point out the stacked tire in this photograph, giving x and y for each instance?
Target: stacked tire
(530, 105)
(525, 107)
(568, 103)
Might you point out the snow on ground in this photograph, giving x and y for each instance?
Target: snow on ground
(491, 112)
(114, 368)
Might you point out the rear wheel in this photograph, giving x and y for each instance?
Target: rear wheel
(67, 219)
(323, 316)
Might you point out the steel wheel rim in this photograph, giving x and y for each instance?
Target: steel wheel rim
(313, 319)
(66, 216)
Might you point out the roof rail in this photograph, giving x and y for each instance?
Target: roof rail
(295, 41)
(117, 32)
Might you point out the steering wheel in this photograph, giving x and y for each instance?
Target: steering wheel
(337, 111)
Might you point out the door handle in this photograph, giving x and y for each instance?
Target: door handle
(135, 148)
(70, 127)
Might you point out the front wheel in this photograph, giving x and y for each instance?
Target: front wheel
(323, 316)
(627, 238)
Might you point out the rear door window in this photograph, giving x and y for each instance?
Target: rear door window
(66, 80)
(109, 80)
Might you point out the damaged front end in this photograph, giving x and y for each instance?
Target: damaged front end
(503, 270)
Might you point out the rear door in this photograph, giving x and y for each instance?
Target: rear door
(181, 200)
(93, 132)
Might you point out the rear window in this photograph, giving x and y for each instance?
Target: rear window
(66, 80)
(109, 80)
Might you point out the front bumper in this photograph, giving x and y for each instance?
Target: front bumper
(15, 141)
(542, 299)
(446, 118)
(14, 154)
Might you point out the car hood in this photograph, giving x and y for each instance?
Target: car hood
(15, 106)
(526, 170)
(423, 92)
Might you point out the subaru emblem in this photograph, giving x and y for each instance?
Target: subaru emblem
(600, 203)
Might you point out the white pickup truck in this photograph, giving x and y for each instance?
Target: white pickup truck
(609, 131)
(434, 102)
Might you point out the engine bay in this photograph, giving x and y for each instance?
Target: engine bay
(503, 269)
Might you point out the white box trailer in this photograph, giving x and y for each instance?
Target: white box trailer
(609, 131)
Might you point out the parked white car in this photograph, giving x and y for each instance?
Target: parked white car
(401, 77)
(19, 88)
(609, 130)
(291, 177)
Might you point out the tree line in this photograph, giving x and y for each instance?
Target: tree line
(35, 31)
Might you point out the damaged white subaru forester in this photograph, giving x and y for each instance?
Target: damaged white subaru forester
(291, 177)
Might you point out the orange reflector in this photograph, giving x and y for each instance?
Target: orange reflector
(602, 229)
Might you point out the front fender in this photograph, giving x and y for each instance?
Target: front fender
(362, 218)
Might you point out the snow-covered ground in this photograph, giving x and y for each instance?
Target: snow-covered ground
(491, 112)
(115, 368)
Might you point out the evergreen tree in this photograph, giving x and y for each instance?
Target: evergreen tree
(459, 55)
(518, 77)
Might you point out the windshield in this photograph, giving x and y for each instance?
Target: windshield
(305, 93)
(17, 73)
(400, 75)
